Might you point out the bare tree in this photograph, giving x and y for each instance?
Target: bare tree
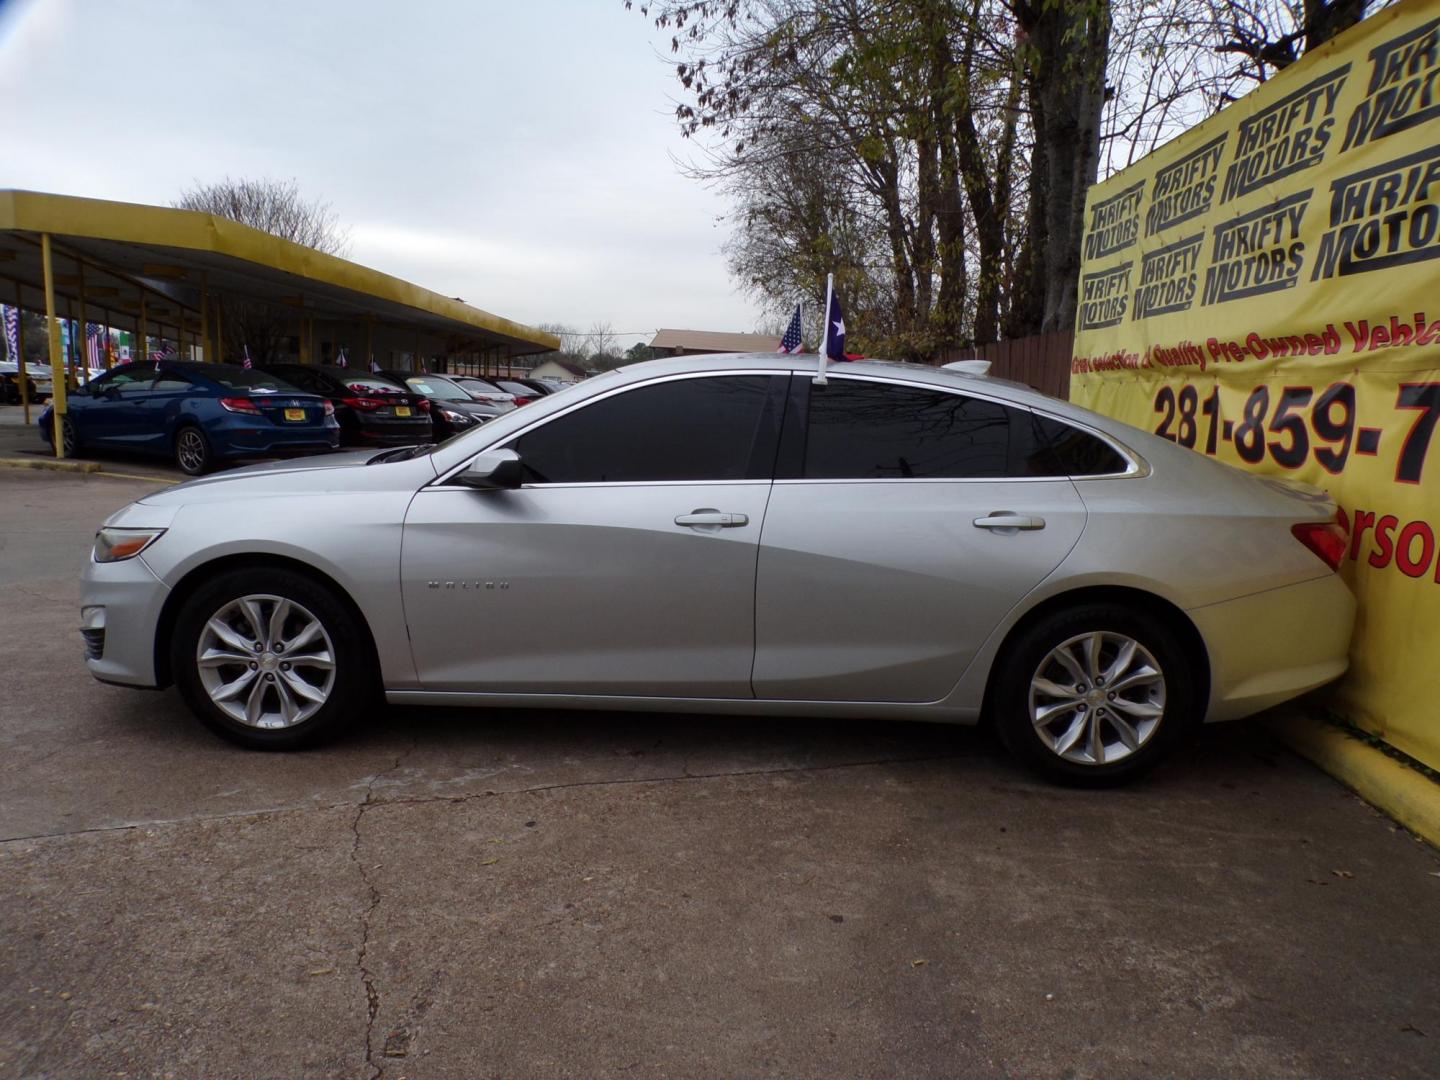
(602, 342)
(252, 327)
(273, 206)
(935, 155)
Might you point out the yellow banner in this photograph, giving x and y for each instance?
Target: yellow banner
(1266, 290)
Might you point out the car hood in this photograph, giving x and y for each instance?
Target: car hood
(313, 475)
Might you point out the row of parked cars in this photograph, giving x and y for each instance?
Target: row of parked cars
(39, 385)
(204, 415)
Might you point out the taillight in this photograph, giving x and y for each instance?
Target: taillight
(239, 405)
(1327, 539)
(424, 404)
(329, 407)
(523, 400)
(364, 404)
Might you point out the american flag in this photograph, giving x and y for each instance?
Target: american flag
(94, 345)
(245, 363)
(12, 334)
(164, 352)
(792, 341)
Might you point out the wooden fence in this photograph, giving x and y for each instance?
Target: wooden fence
(1042, 361)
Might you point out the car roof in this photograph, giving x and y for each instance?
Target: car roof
(809, 364)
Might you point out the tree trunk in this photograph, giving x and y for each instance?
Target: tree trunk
(1326, 18)
(1068, 41)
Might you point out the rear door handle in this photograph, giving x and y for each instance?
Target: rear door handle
(1006, 519)
(713, 518)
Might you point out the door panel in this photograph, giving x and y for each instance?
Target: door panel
(113, 414)
(584, 589)
(883, 590)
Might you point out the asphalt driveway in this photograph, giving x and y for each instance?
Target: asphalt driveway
(516, 894)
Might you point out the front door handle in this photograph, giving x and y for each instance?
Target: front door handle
(1006, 519)
(713, 518)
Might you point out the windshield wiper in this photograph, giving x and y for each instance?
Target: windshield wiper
(400, 453)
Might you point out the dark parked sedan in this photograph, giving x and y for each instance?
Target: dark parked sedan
(199, 414)
(451, 408)
(373, 410)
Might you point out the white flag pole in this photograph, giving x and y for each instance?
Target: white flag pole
(819, 379)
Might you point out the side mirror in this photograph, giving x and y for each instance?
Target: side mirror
(493, 470)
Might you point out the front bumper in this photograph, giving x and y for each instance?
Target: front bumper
(121, 604)
(1270, 647)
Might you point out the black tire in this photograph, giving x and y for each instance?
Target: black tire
(1031, 657)
(351, 691)
(68, 437)
(192, 451)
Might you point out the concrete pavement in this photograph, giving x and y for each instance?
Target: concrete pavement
(517, 894)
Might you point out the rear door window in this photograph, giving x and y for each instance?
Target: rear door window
(862, 430)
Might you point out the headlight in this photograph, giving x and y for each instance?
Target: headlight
(456, 417)
(113, 545)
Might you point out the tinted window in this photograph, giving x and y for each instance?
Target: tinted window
(721, 428)
(865, 430)
(1057, 449)
(305, 380)
(127, 379)
(367, 384)
(253, 379)
(169, 382)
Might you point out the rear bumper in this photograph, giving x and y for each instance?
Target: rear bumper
(1273, 646)
(270, 442)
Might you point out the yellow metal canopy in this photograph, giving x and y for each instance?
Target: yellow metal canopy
(110, 255)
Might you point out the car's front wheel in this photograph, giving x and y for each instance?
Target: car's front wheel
(270, 659)
(192, 451)
(1095, 695)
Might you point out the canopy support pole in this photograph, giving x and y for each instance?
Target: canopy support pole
(57, 362)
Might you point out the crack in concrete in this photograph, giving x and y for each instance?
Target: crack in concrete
(370, 801)
(674, 779)
(367, 978)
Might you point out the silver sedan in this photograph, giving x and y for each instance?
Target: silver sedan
(731, 535)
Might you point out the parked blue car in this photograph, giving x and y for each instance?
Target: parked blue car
(198, 414)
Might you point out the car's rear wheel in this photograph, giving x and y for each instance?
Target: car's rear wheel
(270, 659)
(1095, 695)
(192, 451)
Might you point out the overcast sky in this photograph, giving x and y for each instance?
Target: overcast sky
(515, 154)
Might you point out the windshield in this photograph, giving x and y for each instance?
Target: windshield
(437, 389)
(480, 386)
(367, 384)
(252, 379)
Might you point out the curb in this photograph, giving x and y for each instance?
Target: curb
(53, 464)
(1402, 793)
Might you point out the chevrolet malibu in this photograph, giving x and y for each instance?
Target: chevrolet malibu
(734, 535)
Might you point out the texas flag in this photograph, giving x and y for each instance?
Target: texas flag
(834, 346)
(834, 328)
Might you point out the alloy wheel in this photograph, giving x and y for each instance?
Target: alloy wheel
(1097, 698)
(266, 661)
(190, 450)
